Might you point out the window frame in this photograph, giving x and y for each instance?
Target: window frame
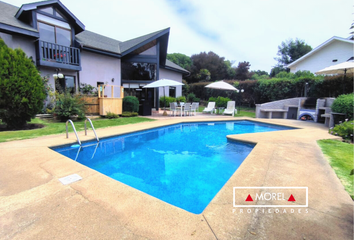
(55, 31)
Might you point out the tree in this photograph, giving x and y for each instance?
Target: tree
(211, 62)
(180, 59)
(21, 87)
(242, 70)
(231, 72)
(291, 50)
(277, 69)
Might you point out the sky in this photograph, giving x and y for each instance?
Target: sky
(238, 30)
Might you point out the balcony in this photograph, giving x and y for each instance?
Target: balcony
(58, 56)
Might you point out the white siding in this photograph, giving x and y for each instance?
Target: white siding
(176, 76)
(324, 57)
(25, 43)
(100, 68)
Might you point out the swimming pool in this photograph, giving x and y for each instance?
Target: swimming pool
(184, 164)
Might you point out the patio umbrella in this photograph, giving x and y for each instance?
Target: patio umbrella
(163, 83)
(344, 67)
(221, 85)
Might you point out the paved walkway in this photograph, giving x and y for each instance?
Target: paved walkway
(35, 205)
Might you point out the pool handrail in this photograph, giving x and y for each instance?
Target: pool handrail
(94, 131)
(67, 132)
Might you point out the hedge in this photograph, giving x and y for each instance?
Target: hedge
(281, 87)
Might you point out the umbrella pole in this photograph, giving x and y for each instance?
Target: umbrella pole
(164, 100)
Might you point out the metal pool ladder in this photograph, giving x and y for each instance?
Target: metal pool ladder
(92, 128)
(67, 133)
(77, 137)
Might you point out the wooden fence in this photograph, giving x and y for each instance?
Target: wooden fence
(92, 105)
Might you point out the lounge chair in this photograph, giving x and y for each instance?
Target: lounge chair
(230, 109)
(210, 108)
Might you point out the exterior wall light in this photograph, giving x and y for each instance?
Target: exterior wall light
(57, 74)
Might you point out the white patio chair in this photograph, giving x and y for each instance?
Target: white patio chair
(194, 108)
(210, 108)
(187, 108)
(173, 108)
(230, 109)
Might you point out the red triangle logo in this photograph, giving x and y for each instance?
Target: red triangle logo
(249, 198)
(291, 198)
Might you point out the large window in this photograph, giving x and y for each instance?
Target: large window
(138, 71)
(53, 30)
(66, 84)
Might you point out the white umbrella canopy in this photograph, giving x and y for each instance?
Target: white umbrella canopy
(341, 68)
(163, 83)
(222, 86)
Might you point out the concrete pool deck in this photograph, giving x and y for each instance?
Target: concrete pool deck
(35, 205)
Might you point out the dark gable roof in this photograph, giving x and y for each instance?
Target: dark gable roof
(26, 8)
(11, 24)
(174, 67)
(96, 41)
(131, 45)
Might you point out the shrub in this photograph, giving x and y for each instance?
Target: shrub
(212, 99)
(192, 98)
(181, 99)
(222, 102)
(22, 92)
(88, 89)
(344, 130)
(129, 114)
(111, 115)
(344, 104)
(167, 101)
(130, 104)
(67, 106)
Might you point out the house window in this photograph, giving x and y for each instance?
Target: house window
(66, 84)
(172, 92)
(54, 31)
(138, 71)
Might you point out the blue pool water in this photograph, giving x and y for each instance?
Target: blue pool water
(185, 164)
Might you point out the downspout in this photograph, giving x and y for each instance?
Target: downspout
(78, 81)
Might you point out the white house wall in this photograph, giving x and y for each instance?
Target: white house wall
(176, 76)
(25, 43)
(341, 51)
(100, 68)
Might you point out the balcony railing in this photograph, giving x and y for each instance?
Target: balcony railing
(50, 53)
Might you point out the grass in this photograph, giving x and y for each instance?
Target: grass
(59, 127)
(340, 157)
(243, 112)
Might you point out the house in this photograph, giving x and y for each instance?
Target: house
(59, 45)
(333, 51)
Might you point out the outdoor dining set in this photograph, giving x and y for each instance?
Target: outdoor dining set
(184, 108)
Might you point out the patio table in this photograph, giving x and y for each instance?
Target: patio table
(180, 108)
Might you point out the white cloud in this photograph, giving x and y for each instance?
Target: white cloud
(235, 29)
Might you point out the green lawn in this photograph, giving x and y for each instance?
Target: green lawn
(59, 127)
(340, 157)
(244, 112)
